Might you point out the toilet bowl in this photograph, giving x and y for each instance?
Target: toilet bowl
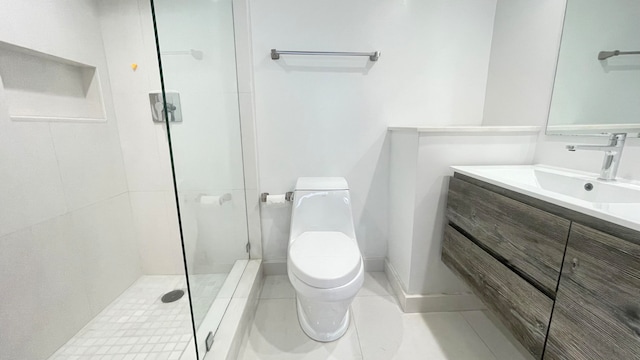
(324, 263)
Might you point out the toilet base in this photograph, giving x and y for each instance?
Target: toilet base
(324, 336)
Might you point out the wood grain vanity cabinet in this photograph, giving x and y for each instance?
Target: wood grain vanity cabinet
(528, 239)
(563, 289)
(524, 309)
(597, 308)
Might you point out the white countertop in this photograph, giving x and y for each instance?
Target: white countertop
(467, 129)
(522, 179)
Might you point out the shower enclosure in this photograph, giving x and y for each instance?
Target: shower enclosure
(124, 223)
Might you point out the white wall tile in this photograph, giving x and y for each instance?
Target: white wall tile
(206, 26)
(221, 232)
(64, 305)
(125, 43)
(157, 233)
(249, 150)
(32, 190)
(21, 275)
(47, 302)
(75, 250)
(78, 40)
(90, 161)
(206, 146)
(107, 249)
(147, 166)
(244, 56)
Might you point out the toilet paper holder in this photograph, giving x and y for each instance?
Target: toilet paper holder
(287, 196)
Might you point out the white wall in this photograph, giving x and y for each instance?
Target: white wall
(67, 240)
(329, 116)
(421, 163)
(526, 39)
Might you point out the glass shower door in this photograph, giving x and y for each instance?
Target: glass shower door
(198, 65)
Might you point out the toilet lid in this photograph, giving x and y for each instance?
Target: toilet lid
(324, 259)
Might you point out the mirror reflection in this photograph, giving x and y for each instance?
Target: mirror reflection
(597, 84)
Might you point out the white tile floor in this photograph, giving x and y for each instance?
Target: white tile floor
(137, 325)
(379, 330)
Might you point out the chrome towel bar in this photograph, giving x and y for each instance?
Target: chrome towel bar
(373, 56)
(603, 55)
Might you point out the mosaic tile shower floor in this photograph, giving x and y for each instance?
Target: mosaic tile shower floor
(137, 325)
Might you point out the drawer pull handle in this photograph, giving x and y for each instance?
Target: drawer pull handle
(574, 263)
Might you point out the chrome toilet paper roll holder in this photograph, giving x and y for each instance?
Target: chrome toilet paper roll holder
(287, 196)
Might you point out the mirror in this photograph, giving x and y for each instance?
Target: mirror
(597, 83)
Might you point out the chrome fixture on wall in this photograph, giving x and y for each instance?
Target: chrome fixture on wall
(373, 56)
(603, 55)
(174, 110)
(288, 196)
(612, 151)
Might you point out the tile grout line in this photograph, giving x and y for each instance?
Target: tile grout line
(478, 334)
(355, 326)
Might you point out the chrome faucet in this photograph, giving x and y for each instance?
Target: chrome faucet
(612, 154)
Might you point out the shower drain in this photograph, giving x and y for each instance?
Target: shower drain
(172, 296)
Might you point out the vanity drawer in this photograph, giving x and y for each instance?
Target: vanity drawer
(528, 240)
(597, 311)
(523, 309)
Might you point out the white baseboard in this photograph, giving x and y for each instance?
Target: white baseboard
(275, 267)
(373, 264)
(430, 302)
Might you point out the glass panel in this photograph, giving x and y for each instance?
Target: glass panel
(197, 49)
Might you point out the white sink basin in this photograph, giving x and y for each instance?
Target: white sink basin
(587, 189)
(615, 201)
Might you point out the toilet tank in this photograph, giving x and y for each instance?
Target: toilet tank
(321, 204)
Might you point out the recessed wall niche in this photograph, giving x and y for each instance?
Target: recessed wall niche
(43, 87)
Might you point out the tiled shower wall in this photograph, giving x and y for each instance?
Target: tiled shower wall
(67, 236)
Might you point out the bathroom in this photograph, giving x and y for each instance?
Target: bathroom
(155, 150)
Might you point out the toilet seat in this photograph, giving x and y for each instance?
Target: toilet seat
(324, 259)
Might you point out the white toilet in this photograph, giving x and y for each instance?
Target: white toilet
(324, 262)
